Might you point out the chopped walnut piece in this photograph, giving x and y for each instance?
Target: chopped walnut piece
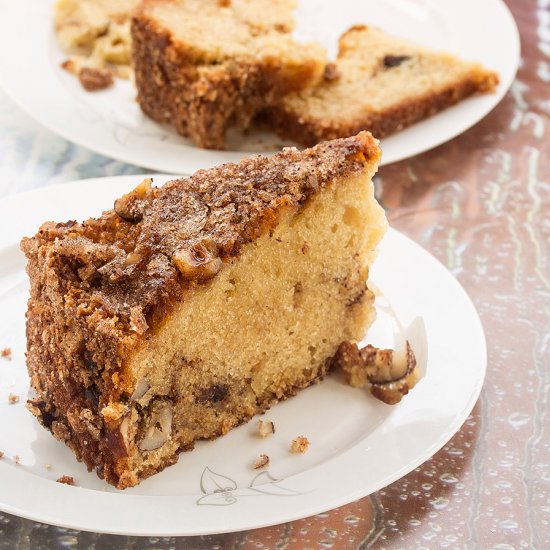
(390, 376)
(265, 428)
(299, 445)
(132, 206)
(6, 353)
(137, 320)
(13, 399)
(67, 480)
(199, 262)
(94, 79)
(261, 462)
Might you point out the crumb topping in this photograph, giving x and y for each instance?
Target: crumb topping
(300, 444)
(130, 265)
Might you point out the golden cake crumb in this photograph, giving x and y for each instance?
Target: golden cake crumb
(299, 445)
(261, 462)
(13, 399)
(48, 466)
(265, 428)
(67, 480)
(17, 459)
(6, 353)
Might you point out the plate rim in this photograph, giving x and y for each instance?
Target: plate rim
(10, 81)
(304, 510)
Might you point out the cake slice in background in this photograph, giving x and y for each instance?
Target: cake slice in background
(191, 307)
(206, 65)
(379, 83)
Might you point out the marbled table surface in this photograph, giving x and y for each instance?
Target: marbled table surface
(481, 204)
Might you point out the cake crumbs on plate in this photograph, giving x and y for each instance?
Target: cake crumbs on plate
(1, 454)
(13, 399)
(48, 466)
(299, 445)
(265, 428)
(67, 480)
(17, 459)
(6, 353)
(261, 462)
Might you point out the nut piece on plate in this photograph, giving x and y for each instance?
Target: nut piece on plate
(261, 462)
(93, 79)
(390, 375)
(265, 428)
(67, 480)
(299, 444)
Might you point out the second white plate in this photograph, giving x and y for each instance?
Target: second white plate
(111, 123)
(358, 444)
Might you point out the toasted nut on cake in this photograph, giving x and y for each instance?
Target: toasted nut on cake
(131, 206)
(390, 375)
(142, 387)
(198, 262)
(159, 427)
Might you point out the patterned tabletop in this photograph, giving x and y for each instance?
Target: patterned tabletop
(481, 205)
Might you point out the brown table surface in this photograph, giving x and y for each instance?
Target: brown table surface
(481, 205)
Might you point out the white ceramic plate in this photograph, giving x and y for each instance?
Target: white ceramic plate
(110, 122)
(358, 444)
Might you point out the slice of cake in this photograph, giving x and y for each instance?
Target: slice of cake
(206, 65)
(191, 307)
(96, 35)
(379, 83)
